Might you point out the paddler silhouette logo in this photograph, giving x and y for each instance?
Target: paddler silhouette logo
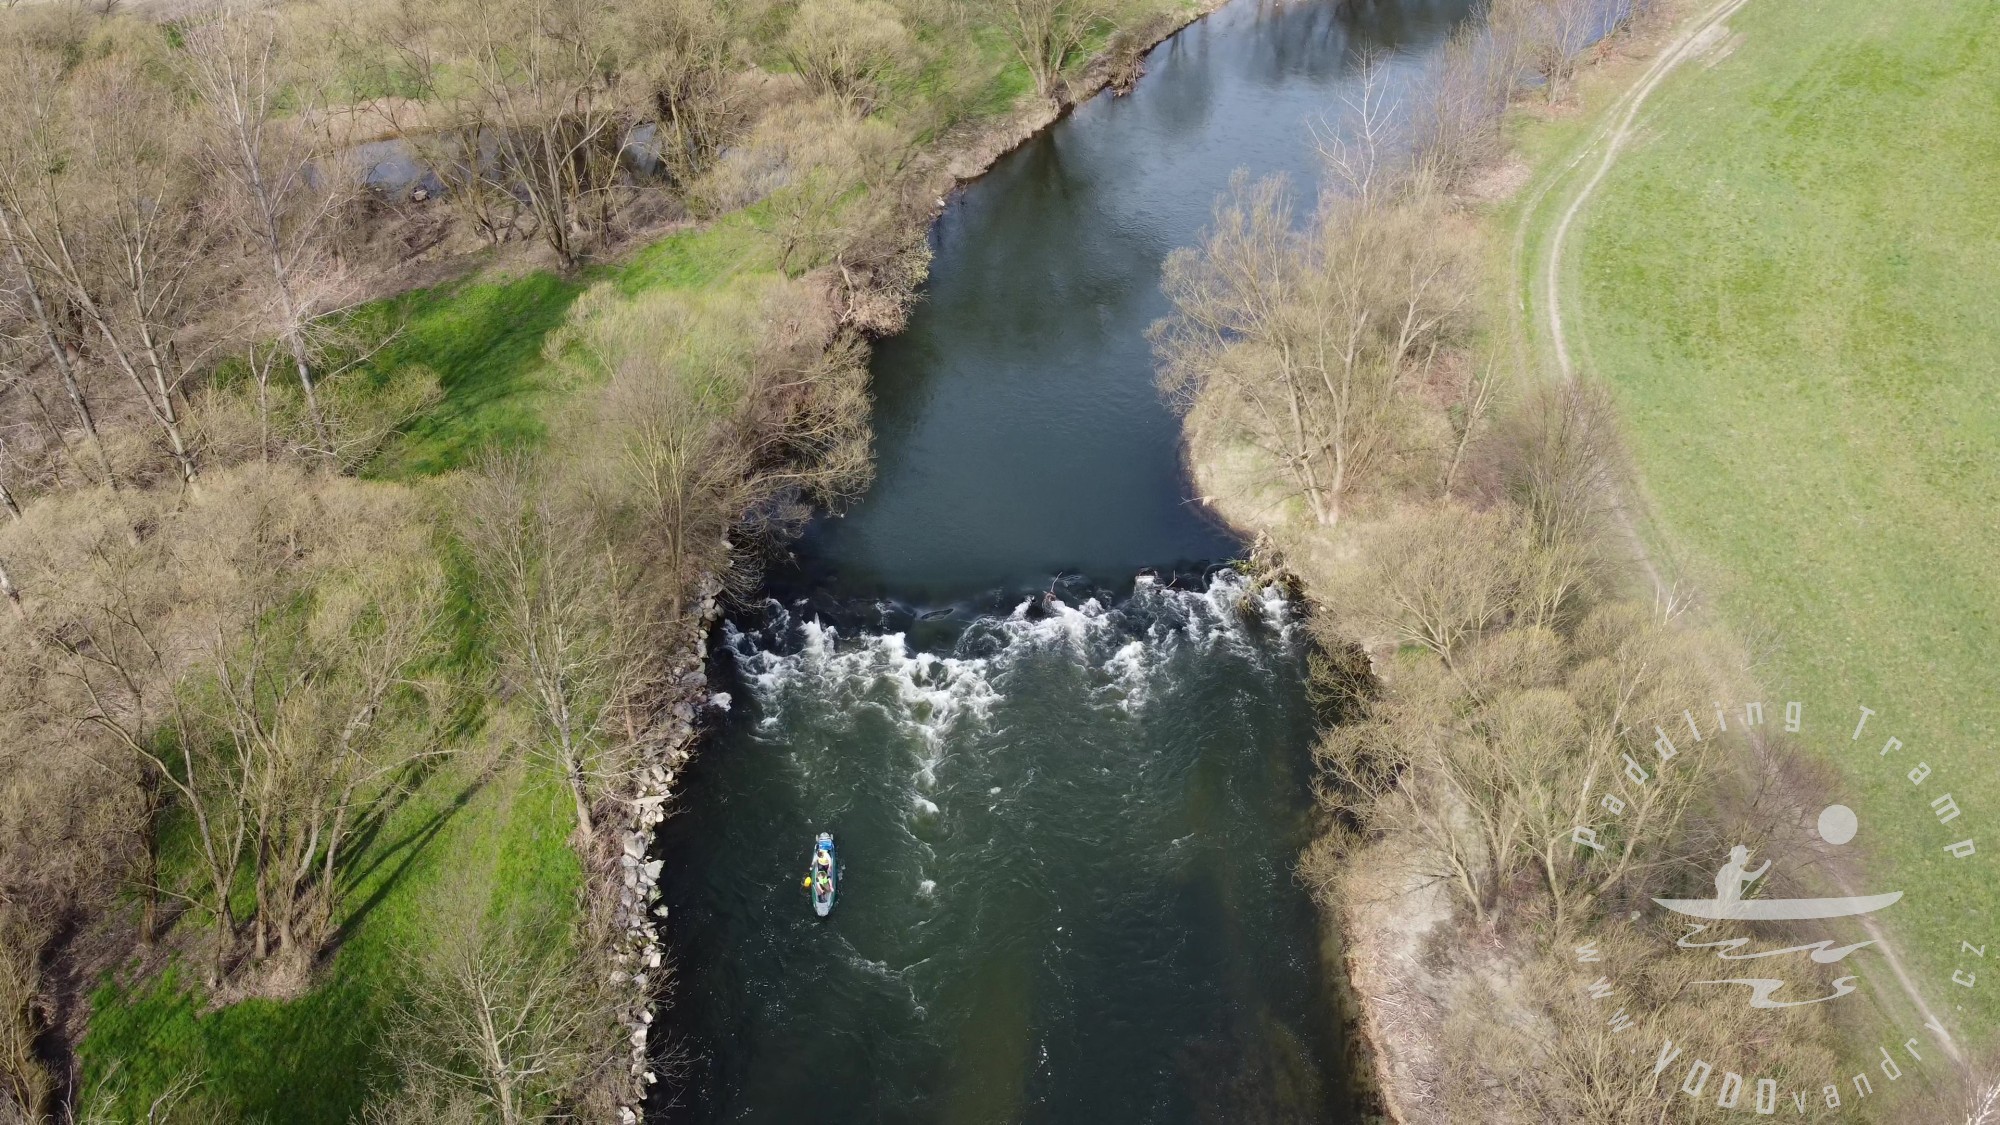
(1786, 935)
(1837, 825)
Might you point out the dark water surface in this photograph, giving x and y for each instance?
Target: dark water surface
(1066, 825)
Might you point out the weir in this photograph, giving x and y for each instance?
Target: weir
(1068, 792)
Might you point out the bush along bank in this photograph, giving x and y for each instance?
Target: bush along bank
(638, 959)
(1492, 656)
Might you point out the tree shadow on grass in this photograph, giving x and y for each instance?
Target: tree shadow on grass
(405, 853)
(483, 341)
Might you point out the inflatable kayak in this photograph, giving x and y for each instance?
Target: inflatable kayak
(821, 872)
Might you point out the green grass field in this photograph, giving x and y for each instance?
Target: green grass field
(1792, 279)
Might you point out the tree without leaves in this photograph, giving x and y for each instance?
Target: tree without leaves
(502, 1016)
(1444, 576)
(1305, 343)
(30, 81)
(284, 186)
(568, 643)
(310, 699)
(1455, 131)
(686, 73)
(117, 624)
(101, 203)
(806, 164)
(714, 412)
(1549, 36)
(1048, 35)
(306, 599)
(846, 48)
(1543, 1049)
(26, 1086)
(540, 87)
(447, 125)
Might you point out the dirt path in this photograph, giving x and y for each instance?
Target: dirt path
(1611, 136)
(1607, 141)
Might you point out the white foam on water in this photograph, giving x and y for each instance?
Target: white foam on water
(1129, 673)
(933, 700)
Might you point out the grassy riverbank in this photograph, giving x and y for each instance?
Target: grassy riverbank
(491, 824)
(487, 819)
(1790, 279)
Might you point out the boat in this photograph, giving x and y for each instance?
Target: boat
(1779, 909)
(822, 876)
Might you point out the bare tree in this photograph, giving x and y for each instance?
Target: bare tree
(567, 640)
(1455, 123)
(544, 75)
(846, 48)
(305, 599)
(502, 1015)
(1549, 35)
(284, 186)
(1305, 342)
(45, 322)
(1048, 35)
(309, 701)
(115, 658)
(102, 207)
(26, 1087)
(449, 128)
(687, 75)
(1358, 148)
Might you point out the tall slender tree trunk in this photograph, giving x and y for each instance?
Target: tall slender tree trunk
(149, 833)
(572, 756)
(57, 351)
(162, 406)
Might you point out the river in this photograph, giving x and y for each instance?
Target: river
(1064, 754)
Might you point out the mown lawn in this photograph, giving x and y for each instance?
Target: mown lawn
(1792, 279)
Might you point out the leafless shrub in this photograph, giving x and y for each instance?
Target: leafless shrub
(504, 1013)
(1307, 343)
(845, 49)
(1049, 35)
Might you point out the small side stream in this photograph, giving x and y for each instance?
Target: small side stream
(1068, 789)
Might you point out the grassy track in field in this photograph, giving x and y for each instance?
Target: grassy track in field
(1791, 277)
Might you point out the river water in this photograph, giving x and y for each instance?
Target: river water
(1063, 752)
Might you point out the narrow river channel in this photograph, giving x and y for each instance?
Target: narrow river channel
(1067, 792)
